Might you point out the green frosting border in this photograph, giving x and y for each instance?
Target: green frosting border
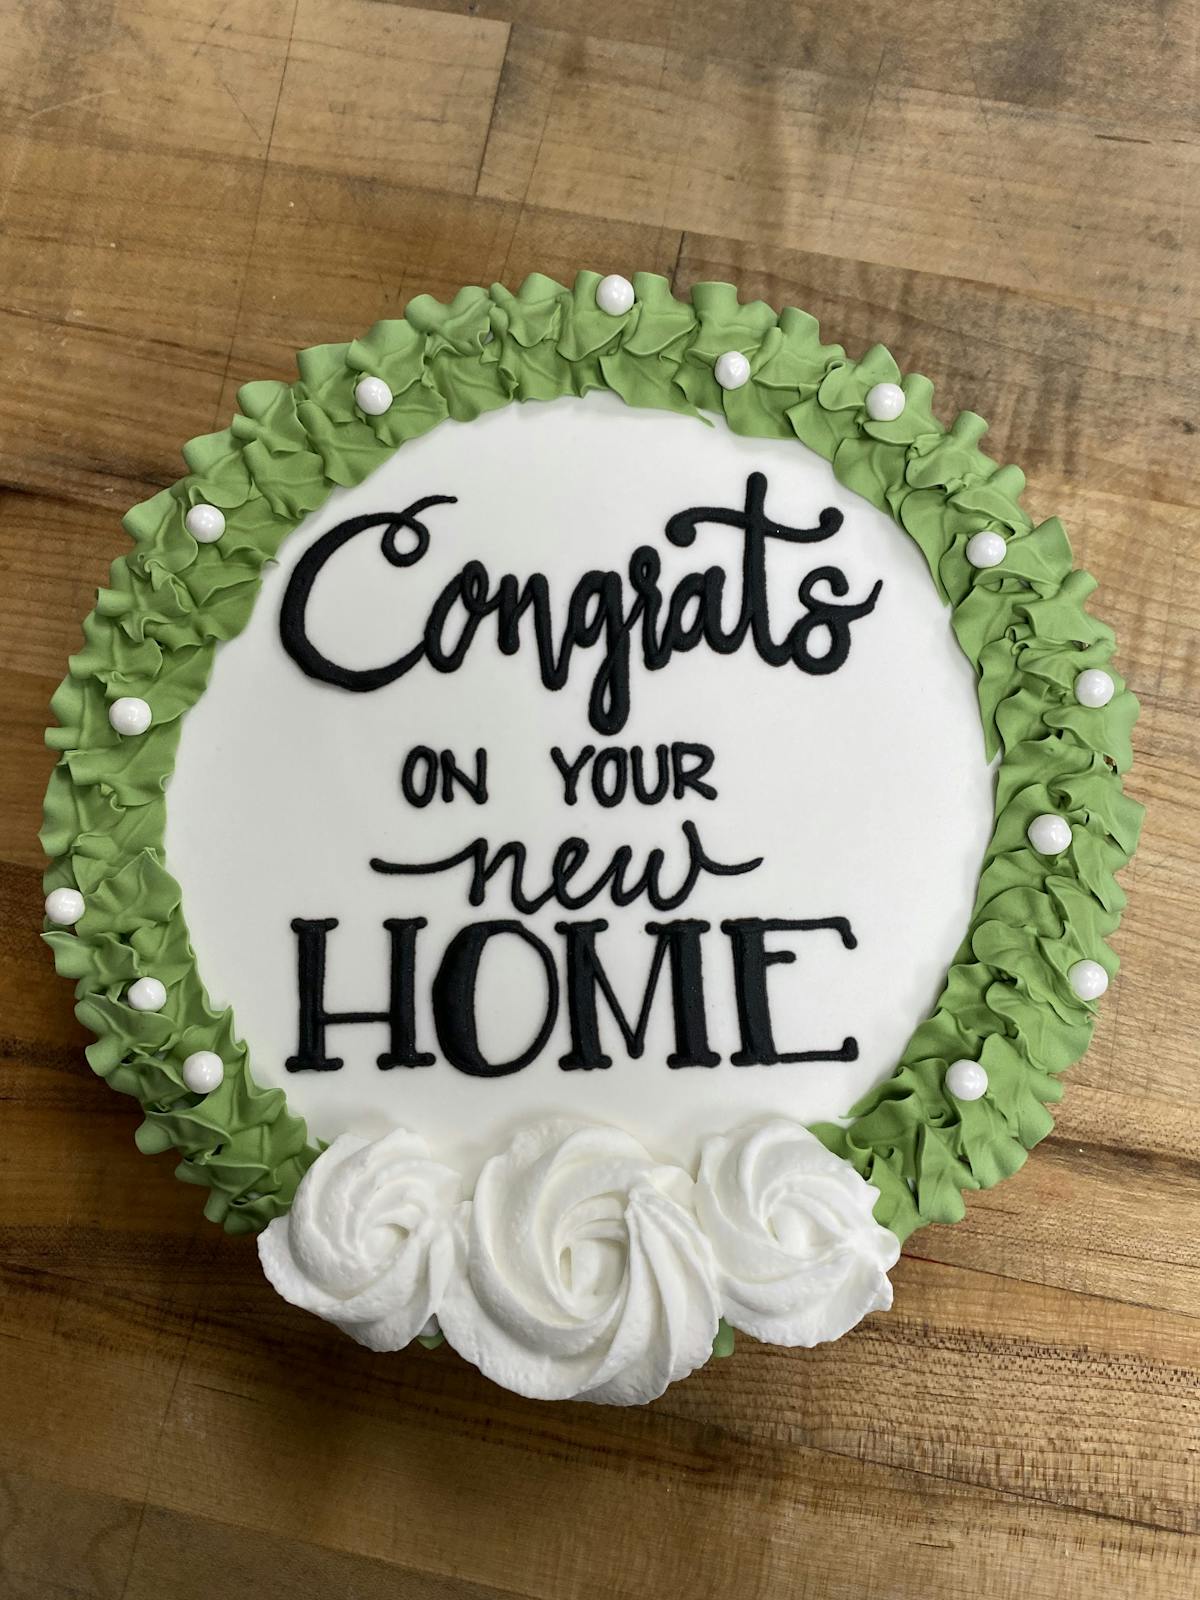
(1022, 624)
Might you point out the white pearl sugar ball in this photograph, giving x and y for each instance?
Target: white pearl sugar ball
(966, 1080)
(203, 1071)
(130, 716)
(1088, 979)
(205, 523)
(1049, 834)
(986, 548)
(731, 370)
(885, 402)
(147, 994)
(615, 295)
(64, 906)
(373, 396)
(1094, 688)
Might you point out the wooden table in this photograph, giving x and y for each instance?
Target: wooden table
(1006, 195)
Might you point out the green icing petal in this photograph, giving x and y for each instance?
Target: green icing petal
(587, 329)
(723, 323)
(845, 385)
(658, 322)
(644, 381)
(461, 328)
(870, 467)
(941, 1176)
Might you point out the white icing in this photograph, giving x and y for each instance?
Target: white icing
(986, 548)
(885, 402)
(368, 1243)
(1049, 834)
(129, 716)
(373, 396)
(582, 1268)
(586, 1275)
(866, 791)
(205, 523)
(64, 907)
(203, 1071)
(1094, 688)
(966, 1080)
(799, 1256)
(1088, 979)
(731, 370)
(147, 994)
(615, 295)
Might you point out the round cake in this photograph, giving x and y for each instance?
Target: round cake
(597, 878)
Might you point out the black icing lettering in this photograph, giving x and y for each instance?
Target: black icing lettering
(687, 992)
(598, 610)
(419, 775)
(678, 768)
(681, 633)
(568, 858)
(586, 978)
(610, 791)
(313, 1018)
(453, 774)
(757, 527)
(835, 619)
(641, 790)
(293, 611)
(402, 1015)
(454, 991)
(690, 777)
(608, 704)
(594, 610)
(571, 770)
(470, 588)
(751, 959)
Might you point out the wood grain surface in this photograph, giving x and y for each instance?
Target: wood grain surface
(1006, 194)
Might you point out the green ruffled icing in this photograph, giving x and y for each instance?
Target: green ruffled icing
(1023, 625)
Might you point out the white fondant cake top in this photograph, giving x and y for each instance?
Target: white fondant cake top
(865, 791)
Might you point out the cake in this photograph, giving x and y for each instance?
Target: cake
(627, 862)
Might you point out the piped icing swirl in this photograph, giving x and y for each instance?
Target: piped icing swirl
(586, 1274)
(369, 1243)
(799, 1257)
(582, 1268)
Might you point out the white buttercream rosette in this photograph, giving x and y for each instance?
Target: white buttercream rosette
(586, 1274)
(582, 1268)
(369, 1242)
(799, 1256)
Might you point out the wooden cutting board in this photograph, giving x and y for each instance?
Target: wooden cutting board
(1004, 194)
